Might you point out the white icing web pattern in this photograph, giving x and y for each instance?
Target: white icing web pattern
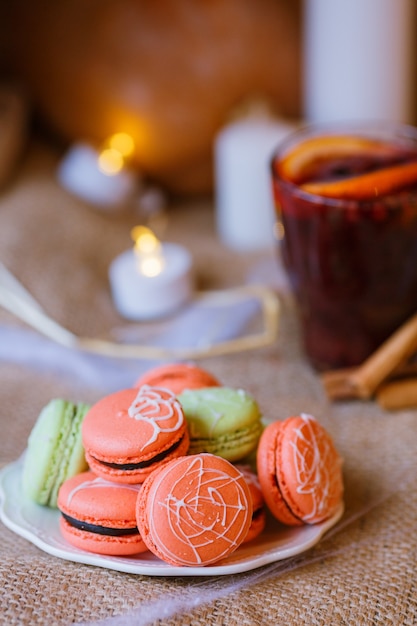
(317, 466)
(200, 510)
(159, 408)
(100, 483)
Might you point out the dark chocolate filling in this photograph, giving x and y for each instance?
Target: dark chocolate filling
(133, 466)
(100, 530)
(257, 513)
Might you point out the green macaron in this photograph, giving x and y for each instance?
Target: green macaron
(55, 451)
(222, 421)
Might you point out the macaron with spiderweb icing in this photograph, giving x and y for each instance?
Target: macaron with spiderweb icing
(300, 471)
(129, 433)
(99, 515)
(194, 511)
(177, 377)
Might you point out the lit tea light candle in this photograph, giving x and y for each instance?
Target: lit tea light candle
(101, 177)
(151, 280)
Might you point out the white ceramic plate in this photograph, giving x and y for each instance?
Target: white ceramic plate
(40, 526)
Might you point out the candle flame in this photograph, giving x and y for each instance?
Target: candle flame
(116, 150)
(123, 143)
(110, 161)
(148, 251)
(151, 266)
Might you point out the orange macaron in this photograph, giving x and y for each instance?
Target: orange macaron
(258, 509)
(177, 377)
(128, 434)
(194, 511)
(300, 471)
(100, 516)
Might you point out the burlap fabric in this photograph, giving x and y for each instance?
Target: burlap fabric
(362, 574)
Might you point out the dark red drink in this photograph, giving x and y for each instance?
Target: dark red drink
(347, 201)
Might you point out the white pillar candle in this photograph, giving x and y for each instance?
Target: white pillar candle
(358, 59)
(244, 202)
(79, 172)
(138, 296)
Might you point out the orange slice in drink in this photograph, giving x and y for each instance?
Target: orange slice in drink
(306, 157)
(366, 186)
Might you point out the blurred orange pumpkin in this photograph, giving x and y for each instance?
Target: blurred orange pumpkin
(166, 71)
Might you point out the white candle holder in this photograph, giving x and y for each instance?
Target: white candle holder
(358, 60)
(244, 204)
(80, 174)
(140, 297)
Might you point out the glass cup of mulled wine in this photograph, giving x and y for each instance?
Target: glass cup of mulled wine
(346, 206)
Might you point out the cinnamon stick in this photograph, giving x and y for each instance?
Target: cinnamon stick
(405, 370)
(339, 386)
(337, 383)
(397, 349)
(388, 360)
(400, 394)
